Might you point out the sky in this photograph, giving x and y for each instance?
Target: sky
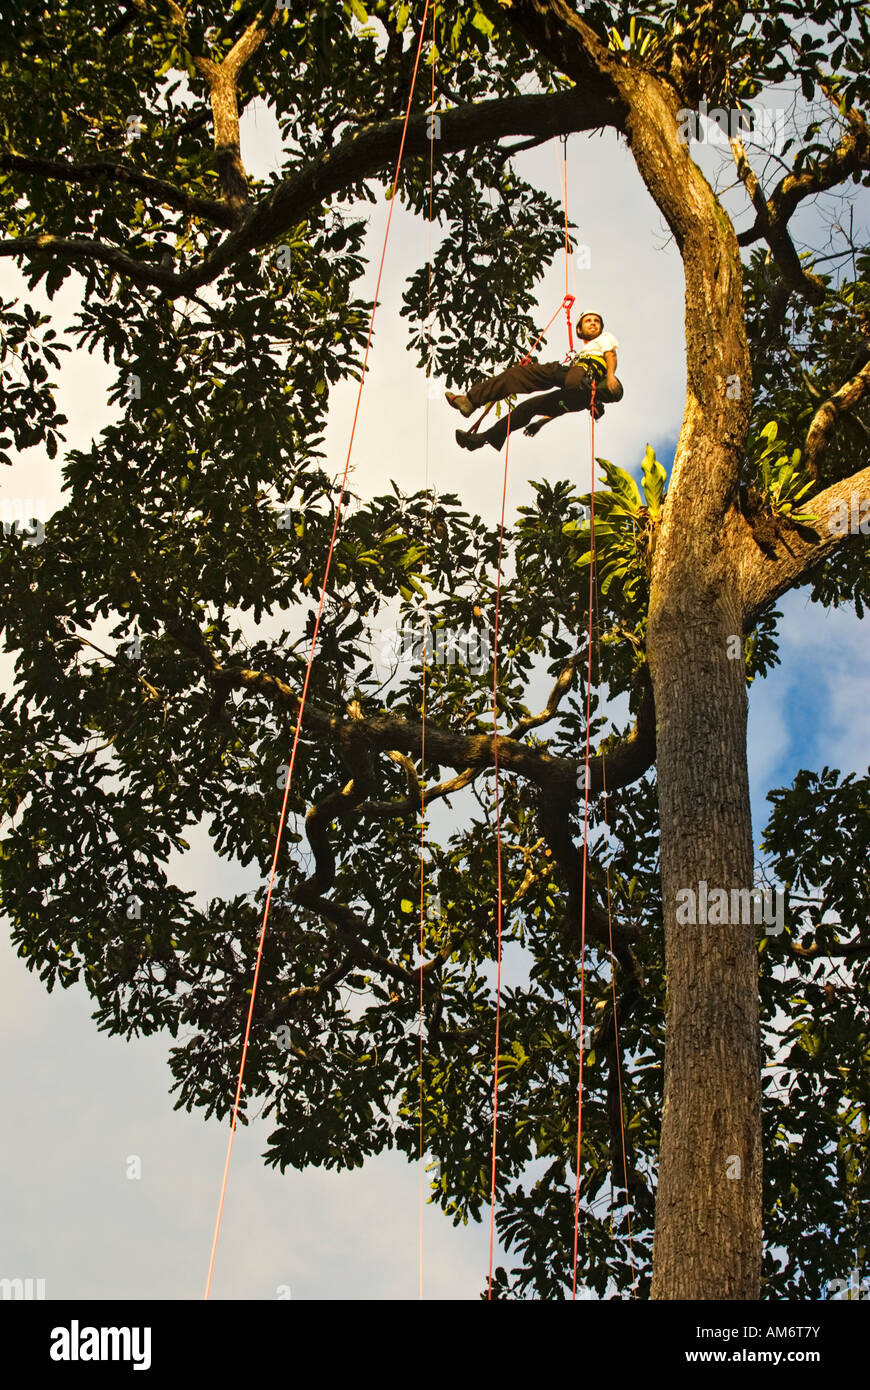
(79, 1104)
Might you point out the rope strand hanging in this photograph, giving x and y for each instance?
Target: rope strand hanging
(427, 535)
(616, 1046)
(585, 846)
(566, 304)
(306, 682)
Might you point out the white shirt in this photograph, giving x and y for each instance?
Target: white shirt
(605, 342)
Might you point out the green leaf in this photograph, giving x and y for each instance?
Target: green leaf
(654, 477)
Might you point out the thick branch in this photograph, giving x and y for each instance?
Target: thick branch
(850, 155)
(246, 46)
(227, 146)
(96, 171)
(848, 950)
(822, 427)
(556, 31)
(774, 230)
(358, 156)
(363, 154)
(764, 576)
(625, 763)
(72, 250)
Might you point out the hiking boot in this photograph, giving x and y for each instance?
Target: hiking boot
(466, 440)
(460, 403)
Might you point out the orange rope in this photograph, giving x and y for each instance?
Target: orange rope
(593, 604)
(569, 298)
(498, 814)
(566, 304)
(565, 200)
(425, 636)
(585, 847)
(498, 853)
(617, 1050)
(308, 669)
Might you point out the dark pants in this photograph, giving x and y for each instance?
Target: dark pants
(574, 393)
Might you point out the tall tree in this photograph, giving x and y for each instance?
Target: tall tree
(195, 534)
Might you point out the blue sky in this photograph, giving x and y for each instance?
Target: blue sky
(78, 1103)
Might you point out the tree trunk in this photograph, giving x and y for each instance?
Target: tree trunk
(708, 1208)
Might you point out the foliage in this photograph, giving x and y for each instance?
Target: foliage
(27, 407)
(190, 549)
(625, 524)
(782, 483)
(817, 1097)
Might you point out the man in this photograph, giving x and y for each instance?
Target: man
(595, 360)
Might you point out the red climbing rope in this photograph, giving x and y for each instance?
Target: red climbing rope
(566, 304)
(616, 1047)
(420, 1148)
(569, 298)
(585, 842)
(306, 682)
(593, 606)
(498, 855)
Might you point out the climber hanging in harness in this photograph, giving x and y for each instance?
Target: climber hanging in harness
(596, 361)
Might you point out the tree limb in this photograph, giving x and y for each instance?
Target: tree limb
(223, 90)
(823, 422)
(247, 44)
(848, 950)
(358, 156)
(413, 802)
(773, 228)
(763, 577)
(70, 249)
(351, 927)
(851, 154)
(625, 763)
(96, 170)
(563, 684)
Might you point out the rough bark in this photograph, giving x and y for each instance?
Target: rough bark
(708, 1225)
(708, 1210)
